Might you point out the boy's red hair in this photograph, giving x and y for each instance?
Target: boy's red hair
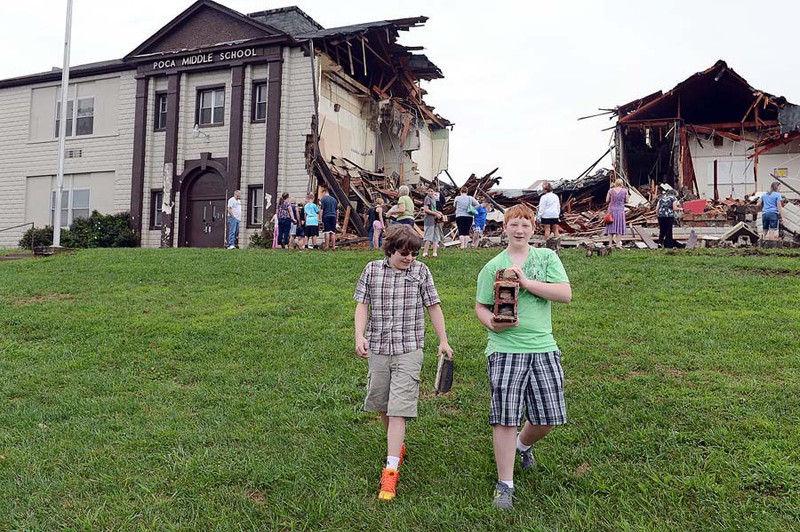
(519, 211)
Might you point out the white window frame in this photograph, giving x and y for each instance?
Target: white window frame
(255, 204)
(215, 104)
(156, 217)
(261, 88)
(161, 110)
(69, 209)
(72, 117)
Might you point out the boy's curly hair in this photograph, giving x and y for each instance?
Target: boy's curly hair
(401, 237)
(519, 211)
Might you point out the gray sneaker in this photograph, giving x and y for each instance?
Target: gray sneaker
(503, 496)
(528, 461)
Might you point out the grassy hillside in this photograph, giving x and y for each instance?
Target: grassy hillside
(214, 389)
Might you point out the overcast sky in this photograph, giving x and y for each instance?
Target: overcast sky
(518, 74)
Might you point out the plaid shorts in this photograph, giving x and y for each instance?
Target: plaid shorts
(533, 379)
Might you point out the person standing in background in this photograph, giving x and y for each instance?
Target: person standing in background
(376, 224)
(404, 210)
(771, 207)
(479, 223)
(431, 236)
(549, 210)
(311, 211)
(616, 207)
(285, 220)
(440, 201)
(329, 218)
(667, 204)
(234, 218)
(300, 233)
(466, 208)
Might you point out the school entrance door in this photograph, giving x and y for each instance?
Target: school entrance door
(206, 211)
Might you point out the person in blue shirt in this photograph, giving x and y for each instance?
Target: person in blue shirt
(479, 222)
(771, 210)
(311, 211)
(329, 217)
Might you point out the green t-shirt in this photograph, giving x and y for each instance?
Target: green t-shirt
(534, 333)
(408, 214)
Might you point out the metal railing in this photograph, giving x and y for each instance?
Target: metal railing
(33, 233)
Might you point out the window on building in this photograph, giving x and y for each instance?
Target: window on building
(74, 205)
(211, 106)
(160, 122)
(80, 118)
(80, 204)
(259, 102)
(255, 205)
(156, 202)
(64, 208)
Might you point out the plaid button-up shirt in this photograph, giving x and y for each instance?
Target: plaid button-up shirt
(397, 298)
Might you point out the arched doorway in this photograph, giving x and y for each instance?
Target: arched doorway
(206, 211)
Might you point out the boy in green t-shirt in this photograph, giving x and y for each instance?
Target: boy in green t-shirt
(524, 362)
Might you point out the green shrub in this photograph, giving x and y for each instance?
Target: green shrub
(96, 231)
(101, 231)
(262, 239)
(37, 236)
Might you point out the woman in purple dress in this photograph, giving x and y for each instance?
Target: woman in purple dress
(616, 207)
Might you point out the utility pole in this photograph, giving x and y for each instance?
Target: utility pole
(62, 130)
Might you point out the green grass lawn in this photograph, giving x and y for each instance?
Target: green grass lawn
(213, 389)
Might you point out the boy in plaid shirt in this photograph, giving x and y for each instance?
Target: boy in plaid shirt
(523, 360)
(390, 331)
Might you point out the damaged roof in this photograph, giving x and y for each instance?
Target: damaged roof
(370, 54)
(400, 24)
(424, 68)
(418, 64)
(717, 95)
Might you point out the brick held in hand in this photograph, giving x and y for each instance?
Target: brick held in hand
(506, 295)
(444, 375)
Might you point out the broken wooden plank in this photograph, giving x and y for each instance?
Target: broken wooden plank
(739, 230)
(335, 187)
(639, 230)
(346, 219)
(791, 217)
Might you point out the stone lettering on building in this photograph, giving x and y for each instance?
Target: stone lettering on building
(205, 58)
(197, 59)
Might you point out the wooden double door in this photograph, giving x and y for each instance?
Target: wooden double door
(206, 212)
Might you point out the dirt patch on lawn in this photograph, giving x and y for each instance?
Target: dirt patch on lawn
(675, 372)
(760, 252)
(770, 272)
(43, 298)
(257, 497)
(582, 469)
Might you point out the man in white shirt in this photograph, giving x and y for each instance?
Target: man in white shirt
(234, 218)
(549, 210)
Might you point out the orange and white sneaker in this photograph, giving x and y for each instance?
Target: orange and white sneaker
(402, 454)
(389, 478)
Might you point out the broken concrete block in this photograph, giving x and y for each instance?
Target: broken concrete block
(506, 296)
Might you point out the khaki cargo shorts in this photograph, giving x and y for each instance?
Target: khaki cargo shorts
(393, 384)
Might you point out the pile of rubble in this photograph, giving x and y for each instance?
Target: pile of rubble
(362, 187)
(704, 222)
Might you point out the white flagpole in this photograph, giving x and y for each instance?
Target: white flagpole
(62, 130)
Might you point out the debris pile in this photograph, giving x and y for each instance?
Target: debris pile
(703, 222)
